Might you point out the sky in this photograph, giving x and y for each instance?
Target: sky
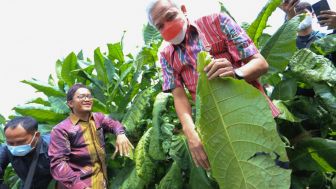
(35, 33)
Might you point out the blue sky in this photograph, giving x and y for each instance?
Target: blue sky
(35, 33)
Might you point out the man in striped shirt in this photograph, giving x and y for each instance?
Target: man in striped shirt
(233, 51)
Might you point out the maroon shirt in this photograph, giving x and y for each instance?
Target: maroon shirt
(71, 160)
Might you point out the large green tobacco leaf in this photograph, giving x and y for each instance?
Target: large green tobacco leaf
(145, 167)
(312, 68)
(133, 182)
(239, 133)
(155, 148)
(99, 65)
(280, 47)
(134, 115)
(325, 45)
(44, 88)
(69, 65)
(259, 24)
(2, 119)
(40, 113)
(115, 52)
(285, 90)
(319, 72)
(314, 154)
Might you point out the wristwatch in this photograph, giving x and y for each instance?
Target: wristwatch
(238, 73)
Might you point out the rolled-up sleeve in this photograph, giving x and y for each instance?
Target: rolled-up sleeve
(171, 79)
(240, 45)
(59, 152)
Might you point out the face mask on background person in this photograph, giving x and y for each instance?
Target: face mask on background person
(175, 31)
(21, 150)
(305, 23)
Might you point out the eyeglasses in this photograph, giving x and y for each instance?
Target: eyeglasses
(83, 96)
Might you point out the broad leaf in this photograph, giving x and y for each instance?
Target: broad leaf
(280, 47)
(40, 100)
(150, 34)
(99, 66)
(69, 65)
(173, 178)
(115, 52)
(325, 45)
(2, 119)
(40, 113)
(44, 88)
(238, 132)
(259, 24)
(285, 90)
(285, 113)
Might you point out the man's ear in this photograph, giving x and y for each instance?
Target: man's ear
(184, 9)
(70, 104)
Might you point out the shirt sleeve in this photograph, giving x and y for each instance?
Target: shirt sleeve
(111, 125)
(4, 161)
(171, 79)
(240, 46)
(59, 152)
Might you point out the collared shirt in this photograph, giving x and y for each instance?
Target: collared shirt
(77, 151)
(216, 33)
(42, 176)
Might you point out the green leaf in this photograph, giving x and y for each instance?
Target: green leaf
(281, 46)
(259, 24)
(99, 65)
(59, 105)
(44, 88)
(40, 100)
(99, 106)
(150, 34)
(115, 52)
(135, 114)
(173, 178)
(263, 40)
(58, 69)
(312, 68)
(51, 80)
(2, 119)
(325, 45)
(285, 113)
(133, 182)
(314, 154)
(285, 90)
(69, 65)
(40, 113)
(235, 123)
(155, 145)
(144, 165)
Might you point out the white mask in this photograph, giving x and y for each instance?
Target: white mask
(305, 23)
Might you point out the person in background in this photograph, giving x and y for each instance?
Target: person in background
(306, 35)
(24, 144)
(233, 51)
(77, 146)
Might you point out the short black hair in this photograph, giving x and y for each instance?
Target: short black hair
(28, 123)
(302, 6)
(71, 92)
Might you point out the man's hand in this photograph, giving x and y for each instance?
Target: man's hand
(197, 150)
(123, 146)
(219, 68)
(328, 19)
(288, 6)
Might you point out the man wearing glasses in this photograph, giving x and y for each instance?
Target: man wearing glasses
(77, 146)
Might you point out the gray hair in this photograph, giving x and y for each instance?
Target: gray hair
(151, 4)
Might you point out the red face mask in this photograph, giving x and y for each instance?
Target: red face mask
(172, 29)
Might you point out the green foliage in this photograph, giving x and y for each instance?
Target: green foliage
(325, 45)
(279, 48)
(259, 24)
(235, 139)
(173, 178)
